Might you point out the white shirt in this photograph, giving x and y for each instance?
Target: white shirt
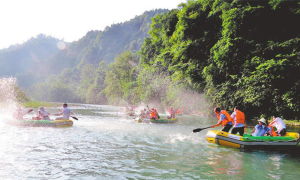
(66, 113)
(279, 124)
(233, 116)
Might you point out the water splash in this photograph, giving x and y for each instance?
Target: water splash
(191, 102)
(166, 94)
(8, 98)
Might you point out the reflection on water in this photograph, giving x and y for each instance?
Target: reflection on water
(104, 143)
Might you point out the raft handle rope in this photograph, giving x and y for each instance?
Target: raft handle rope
(298, 140)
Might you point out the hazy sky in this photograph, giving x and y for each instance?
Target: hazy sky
(67, 19)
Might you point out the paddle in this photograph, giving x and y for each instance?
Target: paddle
(74, 117)
(200, 129)
(70, 116)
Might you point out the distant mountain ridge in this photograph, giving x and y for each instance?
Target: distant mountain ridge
(40, 57)
(106, 45)
(26, 60)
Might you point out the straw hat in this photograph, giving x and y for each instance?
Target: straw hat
(263, 120)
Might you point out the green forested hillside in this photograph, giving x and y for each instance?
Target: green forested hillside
(239, 52)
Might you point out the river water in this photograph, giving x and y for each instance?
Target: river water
(105, 144)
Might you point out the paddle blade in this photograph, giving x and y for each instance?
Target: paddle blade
(74, 118)
(197, 130)
(200, 129)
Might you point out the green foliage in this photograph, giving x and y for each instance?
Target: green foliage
(120, 80)
(20, 95)
(54, 90)
(94, 92)
(242, 53)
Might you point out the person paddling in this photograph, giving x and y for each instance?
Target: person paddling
(20, 113)
(154, 114)
(172, 113)
(65, 113)
(224, 119)
(239, 121)
(143, 114)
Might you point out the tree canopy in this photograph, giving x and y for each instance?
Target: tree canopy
(243, 53)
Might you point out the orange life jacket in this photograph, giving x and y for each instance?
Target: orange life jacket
(227, 119)
(240, 117)
(153, 114)
(272, 132)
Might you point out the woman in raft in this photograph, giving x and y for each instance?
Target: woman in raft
(42, 114)
(261, 128)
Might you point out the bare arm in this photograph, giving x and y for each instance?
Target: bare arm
(59, 114)
(271, 123)
(218, 124)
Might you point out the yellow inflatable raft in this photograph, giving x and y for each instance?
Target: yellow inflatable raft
(43, 123)
(290, 140)
(142, 120)
(163, 120)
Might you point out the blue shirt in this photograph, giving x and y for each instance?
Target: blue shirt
(223, 117)
(260, 130)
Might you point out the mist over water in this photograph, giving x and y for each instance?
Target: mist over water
(166, 94)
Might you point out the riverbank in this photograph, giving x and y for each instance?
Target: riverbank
(292, 123)
(36, 104)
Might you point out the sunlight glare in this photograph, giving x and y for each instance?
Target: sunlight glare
(61, 45)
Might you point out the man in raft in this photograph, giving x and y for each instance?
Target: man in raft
(224, 119)
(65, 113)
(239, 121)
